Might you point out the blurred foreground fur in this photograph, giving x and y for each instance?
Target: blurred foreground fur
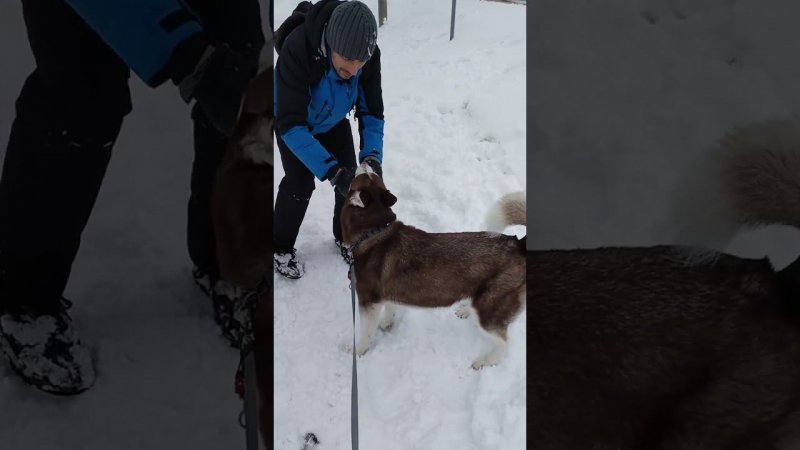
(650, 348)
(241, 206)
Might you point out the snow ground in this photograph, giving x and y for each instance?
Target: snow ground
(454, 143)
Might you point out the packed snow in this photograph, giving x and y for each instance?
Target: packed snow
(454, 144)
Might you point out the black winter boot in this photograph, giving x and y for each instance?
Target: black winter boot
(286, 264)
(45, 351)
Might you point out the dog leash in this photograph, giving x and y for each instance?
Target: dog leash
(246, 382)
(354, 382)
(250, 400)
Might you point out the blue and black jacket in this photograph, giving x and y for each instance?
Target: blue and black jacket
(146, 33)
(310, 97)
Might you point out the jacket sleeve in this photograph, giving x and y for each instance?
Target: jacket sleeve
(369, 109)
(143, 33)
(292, 87)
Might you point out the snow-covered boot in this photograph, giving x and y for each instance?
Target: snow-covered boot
(45, 351)
(219, 304)
(286, 264)
(237, 306)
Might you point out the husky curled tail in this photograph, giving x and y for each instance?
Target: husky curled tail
(761, 173)
(508, 210)
(751, 179)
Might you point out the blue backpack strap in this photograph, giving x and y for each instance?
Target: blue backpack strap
(142, 32)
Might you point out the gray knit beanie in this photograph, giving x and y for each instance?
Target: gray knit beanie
(352, 31)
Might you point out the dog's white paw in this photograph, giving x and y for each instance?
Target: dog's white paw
(463, 310)
(484, 361)
(361, 348)
(386, 324)
(348, 348)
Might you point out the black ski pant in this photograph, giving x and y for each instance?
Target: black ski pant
(68, 116)
(297, 185)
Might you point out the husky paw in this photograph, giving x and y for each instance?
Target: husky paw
(348, 348)
(463, 311)
(386, 324)
(483, 361)
(361, 349)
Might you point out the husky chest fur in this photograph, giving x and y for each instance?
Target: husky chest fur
(399, 264)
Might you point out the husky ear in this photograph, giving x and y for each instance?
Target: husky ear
(359, 198)
(388, 198)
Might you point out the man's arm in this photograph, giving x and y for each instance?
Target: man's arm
(143, 33)
(369, 109)
(292, 84)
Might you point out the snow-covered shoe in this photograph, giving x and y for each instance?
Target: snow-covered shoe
(46, 352)
(236, 309)
(286, 264)
(347, 254)
(220, 304)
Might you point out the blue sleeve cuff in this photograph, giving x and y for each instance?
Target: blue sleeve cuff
(309, 151)
(371, 138)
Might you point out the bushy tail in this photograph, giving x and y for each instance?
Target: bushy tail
(760, 173)
(751, 179)
(509, 210)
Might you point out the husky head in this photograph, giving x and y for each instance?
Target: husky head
(368, 204)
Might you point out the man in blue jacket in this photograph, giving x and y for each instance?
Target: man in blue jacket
(327, 66)
(68, 116)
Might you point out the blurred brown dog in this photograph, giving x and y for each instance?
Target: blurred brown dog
(241, 201)
(652, 348)
(241, 206)
(399, 264)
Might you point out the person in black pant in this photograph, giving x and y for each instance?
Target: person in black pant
(327, 65)
(68, 116)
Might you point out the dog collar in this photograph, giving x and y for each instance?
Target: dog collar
(369, 234)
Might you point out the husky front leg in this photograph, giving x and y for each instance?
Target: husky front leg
(369, 315)
(389, 311)
(498, 350)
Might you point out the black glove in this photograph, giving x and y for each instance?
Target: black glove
(374, 164)
(340, 178)
(218, 83)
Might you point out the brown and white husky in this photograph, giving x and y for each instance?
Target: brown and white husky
(397, 264)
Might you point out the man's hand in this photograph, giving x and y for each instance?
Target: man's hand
(218, 84)
(341, 180)
(374, 164)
